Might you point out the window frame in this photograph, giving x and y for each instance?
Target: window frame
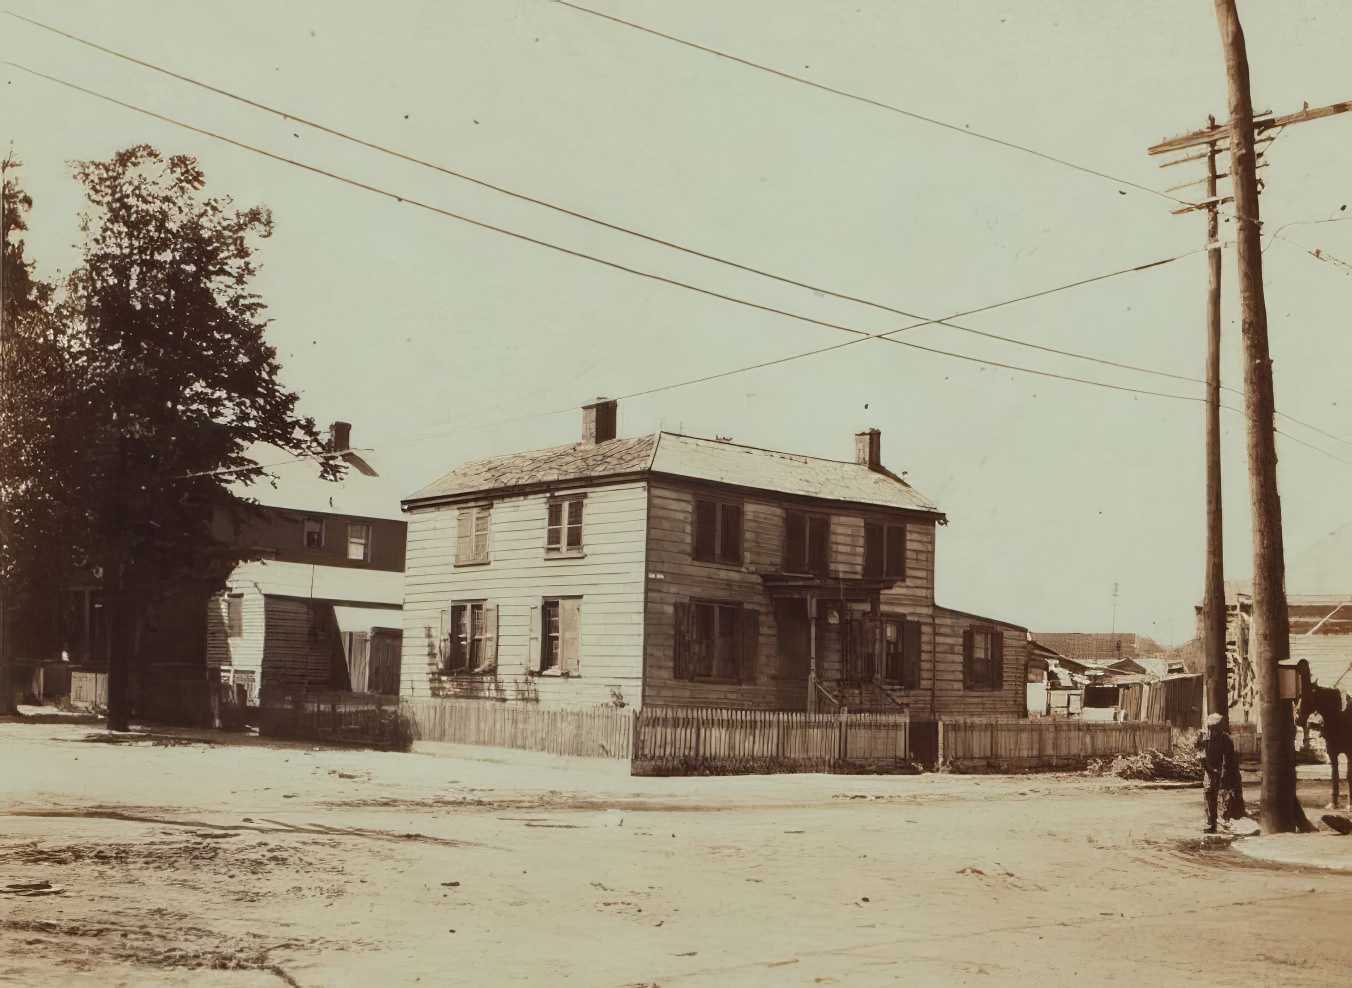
(813, 522)
(729, 653)
(901, 660)
(559, 533)
(560, 648)
(234, 615)
(718, 551)
(366, 543)
(318, 529)
(885, 550)
(983, 674)
(474, 529)
(468, 638)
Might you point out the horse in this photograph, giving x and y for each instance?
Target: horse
(1335, 722)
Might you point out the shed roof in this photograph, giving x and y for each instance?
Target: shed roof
(671, 454)
(332, 583)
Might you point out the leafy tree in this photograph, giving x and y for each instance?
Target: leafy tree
(171, 380)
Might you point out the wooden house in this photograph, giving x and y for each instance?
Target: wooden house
(671, 570)
(319, 607)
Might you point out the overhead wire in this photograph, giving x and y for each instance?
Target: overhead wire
(922, 320)
(967, 131)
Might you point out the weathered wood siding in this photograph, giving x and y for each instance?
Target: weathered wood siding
(518, 578)
(950, 698)
(246, 651)
(302, 649)
(674, 576)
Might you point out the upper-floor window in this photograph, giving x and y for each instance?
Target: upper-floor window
(807, 543)
(718, 532)
(471, 544)
(471, 638)
(563, 530)
(983, 654)
(359, 542)
(234, 615)
(884, 551)
(314, 533)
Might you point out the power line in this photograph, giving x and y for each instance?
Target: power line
(861, 334)
(285, 115)
(873, 102)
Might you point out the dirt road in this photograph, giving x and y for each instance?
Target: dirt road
(248, 865)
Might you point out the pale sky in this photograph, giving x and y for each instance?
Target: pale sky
(414, 326)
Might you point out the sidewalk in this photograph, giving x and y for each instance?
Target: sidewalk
(1325, 849)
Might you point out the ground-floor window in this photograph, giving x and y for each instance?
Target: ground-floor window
(471, 638)
(716, 640)
(982, 659)
(561, 636)
(901, 652)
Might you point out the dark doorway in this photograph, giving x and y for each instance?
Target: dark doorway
(794, 651)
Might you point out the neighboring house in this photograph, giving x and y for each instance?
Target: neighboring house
(319, 609)
(1099, 648)
(671, 570)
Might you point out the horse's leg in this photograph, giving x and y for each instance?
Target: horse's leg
(1334, 752)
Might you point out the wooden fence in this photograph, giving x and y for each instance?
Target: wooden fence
(367, 719)
(700, 740)
(89, 690)
(1042, 744)
(596, 732)
(1176, 700)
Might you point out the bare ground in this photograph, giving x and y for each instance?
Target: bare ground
(244, 864)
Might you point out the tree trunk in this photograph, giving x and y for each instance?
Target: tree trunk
(121, 651)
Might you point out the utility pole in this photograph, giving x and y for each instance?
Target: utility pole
(1280, 812)
(6, 693)
(1279, 806)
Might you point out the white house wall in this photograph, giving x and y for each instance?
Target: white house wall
(609, 579)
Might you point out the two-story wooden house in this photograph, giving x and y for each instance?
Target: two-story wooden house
(666, 569)
(318, 609)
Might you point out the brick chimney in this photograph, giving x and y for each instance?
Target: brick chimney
(598, 421)
(340, 436)
(868, 449)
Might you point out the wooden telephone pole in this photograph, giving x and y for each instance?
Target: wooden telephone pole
(1280, 811)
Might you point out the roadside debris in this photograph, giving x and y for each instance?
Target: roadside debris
(31, 888)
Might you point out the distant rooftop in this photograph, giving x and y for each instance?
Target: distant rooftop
(295, 483)
(672, 454)
(1099, 647)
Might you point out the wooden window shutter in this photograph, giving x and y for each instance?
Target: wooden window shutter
(819, 546)
(533, 645)
(911, 649)
(488, 657)
(750, 629)
(681, 667)
(464, 535)
(997, 660)
(795, 543)
(967, 659)
(730, 534)
(896, 552)
(873, 549)
(706, 531)
(570, 636)
(446, 642)
(481, 517)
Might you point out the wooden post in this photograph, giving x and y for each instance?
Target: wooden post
(1213, 594)
(1279, 806)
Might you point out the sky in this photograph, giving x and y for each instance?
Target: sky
(1071, 507)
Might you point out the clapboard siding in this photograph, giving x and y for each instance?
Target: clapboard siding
(303, 648)
(951, 700)
(245, 652)
(518, 577)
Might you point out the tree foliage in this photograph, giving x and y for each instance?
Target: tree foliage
(154, 349)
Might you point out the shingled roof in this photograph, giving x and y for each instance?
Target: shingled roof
(674, 455)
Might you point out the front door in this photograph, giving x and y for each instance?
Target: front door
(793, 644)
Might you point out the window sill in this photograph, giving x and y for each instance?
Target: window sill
(554, 674)
(568, 554)
(472, 562)
(461, 674)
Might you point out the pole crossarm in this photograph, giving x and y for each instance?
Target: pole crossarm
(1262, 122)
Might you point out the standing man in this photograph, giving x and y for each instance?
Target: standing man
(1220, 768)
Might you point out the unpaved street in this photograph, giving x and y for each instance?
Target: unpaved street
(242, 864)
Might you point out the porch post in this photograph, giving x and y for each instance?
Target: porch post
(812, 701)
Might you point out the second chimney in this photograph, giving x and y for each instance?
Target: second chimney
(868, 449)
(598, 421)
(340, 436)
